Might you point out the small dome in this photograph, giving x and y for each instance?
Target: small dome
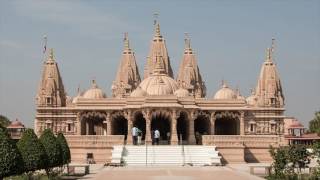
(138, 92)
(181, 92)
(296, 124)
(69, 100)
(75, 99)
(225, 93)
(240, 97)
(252, 99)
(16, 124)
(94, 92)
(159, 84)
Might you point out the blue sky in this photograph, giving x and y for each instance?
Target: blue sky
(229, 37)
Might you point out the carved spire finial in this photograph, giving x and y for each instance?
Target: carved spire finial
(126, 41)
(51, 55)
(157, 25)
(187, 41)
(268, 52)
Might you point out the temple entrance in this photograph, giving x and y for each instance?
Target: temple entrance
(161, 122)
(119, 126)
(182, 128)
(92, 126)
(227, 126)
(201, 127)
(140, 123)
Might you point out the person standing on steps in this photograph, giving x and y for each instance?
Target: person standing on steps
(134, 132)
(156, 136)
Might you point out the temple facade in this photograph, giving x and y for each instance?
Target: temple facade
(241, 127)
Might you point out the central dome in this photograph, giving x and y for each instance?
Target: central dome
(159, 84)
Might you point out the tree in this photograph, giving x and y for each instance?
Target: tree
(52, 149)
(33, 153)
(298, 156)
(314, 124)
(280, 161)
(316, 153)
(10, 159)
(66, 157)
(4, 121)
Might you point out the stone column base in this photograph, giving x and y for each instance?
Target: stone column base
(174, 139)
(191, 139)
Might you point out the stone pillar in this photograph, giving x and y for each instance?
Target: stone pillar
(147, 117)
(191, 137)
(148, 138)
(212, 122)
(105, 126)
(78, 120)
(242, 123)
(130, 125)
(108, 119)
(174, 136)
(87, 127)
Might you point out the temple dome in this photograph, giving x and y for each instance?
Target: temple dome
(252, 99)
(16, 124)
(138, 92)
(159, 84)
(94, 92)
(225, 93)
(181, 92)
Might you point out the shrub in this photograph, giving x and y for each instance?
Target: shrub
(66, 157)
(11, 162)
(33, 153)
(52, 149)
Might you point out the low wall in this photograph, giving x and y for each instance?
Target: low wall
(99, 146)
(244, 148)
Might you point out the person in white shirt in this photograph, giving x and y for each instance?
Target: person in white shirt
(134, 132)
(156, 136)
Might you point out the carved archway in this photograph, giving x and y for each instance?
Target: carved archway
(161, 120)
(227, 123)
(119, 124)
(92, 123)
(182, 126)
(139, 122)
(202, 125)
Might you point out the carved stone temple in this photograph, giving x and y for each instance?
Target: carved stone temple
(242, 128)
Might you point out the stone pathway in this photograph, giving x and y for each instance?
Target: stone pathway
(170, 173)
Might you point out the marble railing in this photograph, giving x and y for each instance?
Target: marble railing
(94, 141)
(250, 141)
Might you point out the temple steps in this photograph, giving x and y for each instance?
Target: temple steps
(166, 155)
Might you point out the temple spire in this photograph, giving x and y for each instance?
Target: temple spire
(51, 90)
(269, 89)
(158, 46)
(189, 76)
(127, 78)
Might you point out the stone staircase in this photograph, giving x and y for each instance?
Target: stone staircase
(166, 155)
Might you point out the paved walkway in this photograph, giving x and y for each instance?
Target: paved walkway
(170, 173)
